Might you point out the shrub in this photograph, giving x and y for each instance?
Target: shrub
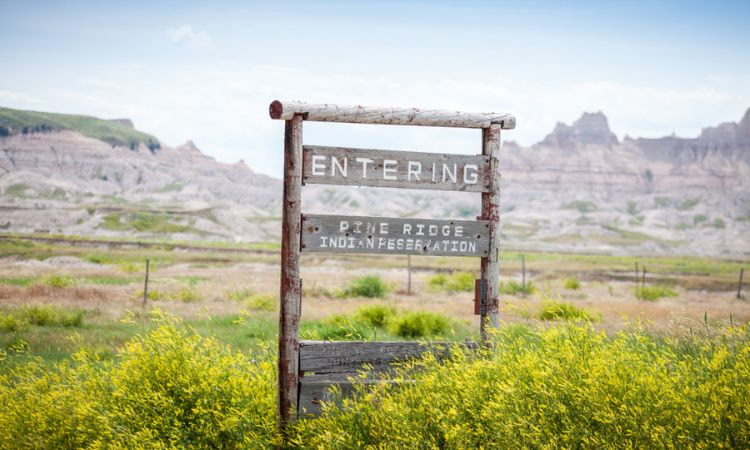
(337, 327)
(572, 284)
(188, 295)
(12, 323)
(262, 302)
(375, 315)
(455, 282)
(653, 293)
(565, 387)
(171, 388)
(370, 286)
(513, 287)
(419, 324)
(59, 281)
(554, 310)
(40, 315)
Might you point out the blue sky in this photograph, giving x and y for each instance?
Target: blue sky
(207, 71)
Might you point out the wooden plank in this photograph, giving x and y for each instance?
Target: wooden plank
(349, 356)
(399, 169)
(284, 110)
(290, 286)
(360, 234)
(313, 393)
(490, 265)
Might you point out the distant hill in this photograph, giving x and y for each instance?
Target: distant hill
(118, 132)
(579, 189)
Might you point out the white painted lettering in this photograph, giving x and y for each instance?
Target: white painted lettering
(343, 226)
(383, 227)
(446, 230)
(365, 162)
(407, 229)
(447, 173)
(389, 169)
(318, 165)
(335, 163)
(414, 168)
(432, 230)
(473, 177)
(459, 230)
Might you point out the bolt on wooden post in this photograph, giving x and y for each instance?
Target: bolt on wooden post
(310, 164)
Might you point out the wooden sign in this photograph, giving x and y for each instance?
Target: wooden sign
(306, 371)
(359, 234)
(385, 168)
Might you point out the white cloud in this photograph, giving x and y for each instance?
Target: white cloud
(185, 35)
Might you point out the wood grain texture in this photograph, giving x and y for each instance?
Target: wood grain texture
(393, 168)
(290, 286)
(330, 357)
(361, 234)
(284, 110)
(313, 393)
(490, 265)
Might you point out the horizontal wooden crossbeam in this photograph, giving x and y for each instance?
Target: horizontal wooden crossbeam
(325, 112)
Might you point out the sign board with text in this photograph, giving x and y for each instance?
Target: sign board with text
(398, 236)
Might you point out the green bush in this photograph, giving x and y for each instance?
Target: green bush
(653, 293)
(42, 316)
(370, 286)
(59, 281)
(337, 327)
(513, 287)
(572, 284)
(554, 310)
(419, 324)
(455, 282)
(188, 295)
(12, 323)
(375, 315)
(565, 387)
(262, 302)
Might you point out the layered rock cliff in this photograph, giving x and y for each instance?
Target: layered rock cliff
(580, 188)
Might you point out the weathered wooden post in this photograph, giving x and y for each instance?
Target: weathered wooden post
(636, 277)
(739, 284)
(145, 284)
(490, 265)
(523, 274)
(643, 279)
(290, 295)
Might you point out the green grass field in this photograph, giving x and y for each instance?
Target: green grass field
(83, 363)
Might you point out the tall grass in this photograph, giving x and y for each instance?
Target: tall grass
(561, 387)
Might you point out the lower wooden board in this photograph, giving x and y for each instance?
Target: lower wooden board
(361, 234)
(312, 394)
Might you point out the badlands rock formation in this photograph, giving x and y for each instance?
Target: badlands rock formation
(580, 189)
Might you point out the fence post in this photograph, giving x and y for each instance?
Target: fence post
(145, 283)
(739, 284)
(290, 295)
(523, 273)
(636, 277)
(491, 212)
(408, 279)
(643, 280)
